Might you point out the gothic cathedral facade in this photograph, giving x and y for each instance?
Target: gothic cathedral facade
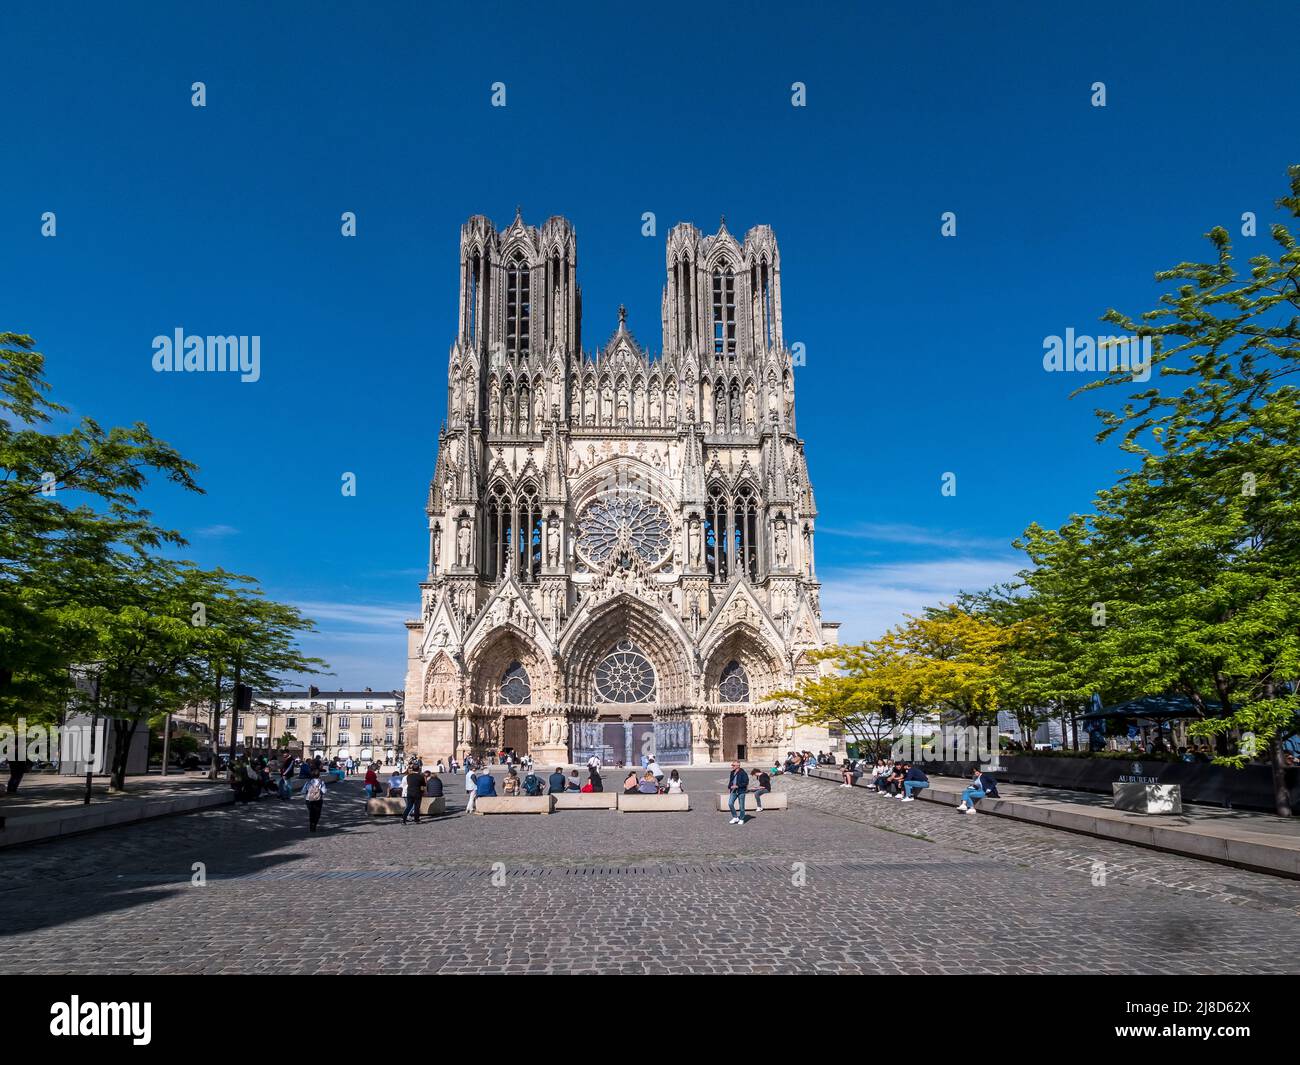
(620, 544)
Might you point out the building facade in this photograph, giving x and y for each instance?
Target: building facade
(366, 725)
(620, 545)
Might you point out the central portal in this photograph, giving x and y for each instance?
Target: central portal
(623, 742)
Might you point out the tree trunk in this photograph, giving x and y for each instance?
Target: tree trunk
(216, 728)
(1281, 797)
(124, 734)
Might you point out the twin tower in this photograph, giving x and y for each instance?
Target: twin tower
(620, 544)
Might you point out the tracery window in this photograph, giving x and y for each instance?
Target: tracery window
(516, 688)
(733, 685)
(624, 521)
(625, 676)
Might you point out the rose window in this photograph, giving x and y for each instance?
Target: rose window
(625, 676)
(624, 523)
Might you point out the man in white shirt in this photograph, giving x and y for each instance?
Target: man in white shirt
(471, 790)
(656, 769)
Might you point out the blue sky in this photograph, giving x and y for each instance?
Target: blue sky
(924, 353)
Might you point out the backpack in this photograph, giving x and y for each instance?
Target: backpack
(532, 786)
(314, 791)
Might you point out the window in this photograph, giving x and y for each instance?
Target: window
(344, 739)
(516, 690)
(318, 720)
(609, 522)
(291, 722)
(517, 306)
(625, 676)
(388, 737)
(369, 705)
(367, 721)
(388, 721)
(365, 739)
(733, 685)
(318, 739)
(724, 311)
(343, 721)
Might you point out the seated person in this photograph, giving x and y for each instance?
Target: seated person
(764, 785)
(556, 782)
(648, 785)
(510, 786)
(914, 780)
(485, 786)
(631, 784)
(675, 786)
(573, 781)
(395, 784)
(893, 783)
(433, 786)
(981, 784)
(532, 784)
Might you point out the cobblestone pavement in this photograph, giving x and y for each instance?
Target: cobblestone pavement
(844, 881)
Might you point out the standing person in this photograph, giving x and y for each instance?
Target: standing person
(764, 787)
(18, 768)
(593, 778)
(471, 787)
(737, 785)
(314, 792)
(414, 793)
(372, 782)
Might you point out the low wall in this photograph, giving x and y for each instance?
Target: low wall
(652, 803)
(1250, 788)
(591, 800)
(773, 800)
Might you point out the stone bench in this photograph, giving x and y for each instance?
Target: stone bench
(1147, 798)
(514, 804)
(628, 804)
(773, 800)
(429, 807)
(591, 800)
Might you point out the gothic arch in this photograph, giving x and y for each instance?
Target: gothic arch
(744, 644)
(441, 685)
(489, 661)
(650, 629)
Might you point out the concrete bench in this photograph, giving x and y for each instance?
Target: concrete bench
(514, 804)
(1147, 798)
(773, 800)
(648, 803)
(592, 800)
(429, 807)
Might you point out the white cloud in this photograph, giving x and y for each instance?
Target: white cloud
(915, 535)
(868, 600)
(217, 531)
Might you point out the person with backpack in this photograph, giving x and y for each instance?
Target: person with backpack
(532, 784)
(314, 792)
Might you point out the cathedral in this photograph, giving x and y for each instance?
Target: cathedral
(620, 544)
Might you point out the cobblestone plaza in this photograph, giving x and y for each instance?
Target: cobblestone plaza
(842, 882)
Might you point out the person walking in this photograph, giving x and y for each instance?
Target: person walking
(737, 785)
(314, 792)
(414, 793)
(471, 788)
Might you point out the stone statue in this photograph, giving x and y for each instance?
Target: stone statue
(552, 543)
(782, 544)
(462, 544)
